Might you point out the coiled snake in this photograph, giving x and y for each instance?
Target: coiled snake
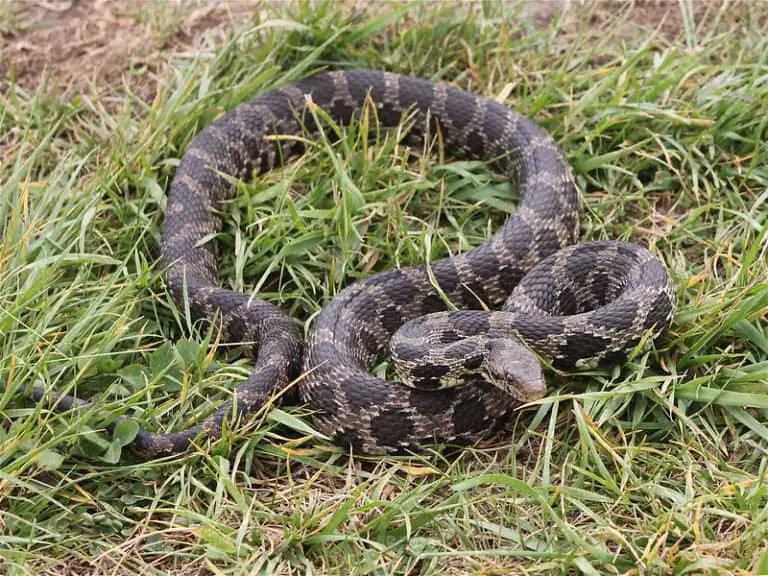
(572, 305)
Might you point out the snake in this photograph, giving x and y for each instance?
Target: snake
(470, 335)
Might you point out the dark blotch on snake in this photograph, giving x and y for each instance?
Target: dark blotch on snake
(427, 372)
(432, 303)
(469, 415)
(473, 362)
(431, 404)
(391, 423)
(446, 276)
(391, 318)
(448, 337)
(412, 351)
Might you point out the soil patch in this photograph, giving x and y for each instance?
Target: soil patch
(81, 42)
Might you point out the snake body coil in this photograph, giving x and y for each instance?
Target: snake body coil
(465, 370)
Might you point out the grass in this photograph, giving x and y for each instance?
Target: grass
(653, 467)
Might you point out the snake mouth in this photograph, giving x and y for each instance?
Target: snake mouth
(528, 391)
(523, 383)
(515, 369)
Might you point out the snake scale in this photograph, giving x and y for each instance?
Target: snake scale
(462, 371)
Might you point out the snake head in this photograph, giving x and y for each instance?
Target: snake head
(516, 370)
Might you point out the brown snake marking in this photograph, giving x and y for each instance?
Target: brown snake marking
(588, 303)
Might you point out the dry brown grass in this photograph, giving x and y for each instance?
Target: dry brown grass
(80, 43)
(76, 43)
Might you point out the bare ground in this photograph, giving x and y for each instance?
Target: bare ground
(76, 43)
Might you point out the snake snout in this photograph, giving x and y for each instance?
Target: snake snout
(516, 370)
